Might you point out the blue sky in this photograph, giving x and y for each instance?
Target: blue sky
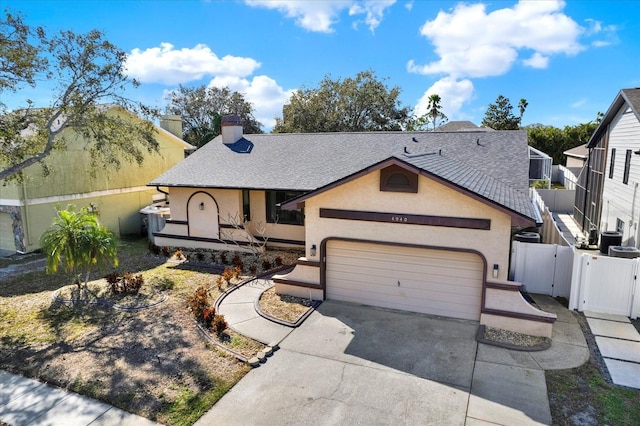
(568, 59)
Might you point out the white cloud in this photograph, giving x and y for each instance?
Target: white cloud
(262, 91)
(321, 15)
(166, 65)
(454, 94)
(473, 43)
(537, 61)
(579, 103)
(373, 9)
(606, 34)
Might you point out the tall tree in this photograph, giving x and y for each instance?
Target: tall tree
(202, 109)
(79, 243)
(89, 71)
(554, 141)
(499, 116)
(362, 103)
(434, 111)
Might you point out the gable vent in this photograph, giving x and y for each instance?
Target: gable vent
(398, 180)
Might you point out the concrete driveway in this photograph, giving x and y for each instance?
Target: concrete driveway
(350, 364)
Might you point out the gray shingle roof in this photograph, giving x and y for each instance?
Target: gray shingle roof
(463, 175)
(309, 161)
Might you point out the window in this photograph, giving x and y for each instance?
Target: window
(619, 225)
(246, 205)
(612, 162)
(276, 215)
(627, 166)
(396, 179)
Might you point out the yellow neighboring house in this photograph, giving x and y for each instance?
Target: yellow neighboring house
(28, 208)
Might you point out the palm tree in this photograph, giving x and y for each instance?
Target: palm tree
(434, 110)
(78, 242)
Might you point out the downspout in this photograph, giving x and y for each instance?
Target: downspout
(27, 227)
(164, 192)
(586, 194)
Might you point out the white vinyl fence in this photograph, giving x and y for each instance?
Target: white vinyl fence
(605, 284)
(542, 268)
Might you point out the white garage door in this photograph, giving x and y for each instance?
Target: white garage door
(6, 233)
(436, 282)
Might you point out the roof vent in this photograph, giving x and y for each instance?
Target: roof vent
(231, 129)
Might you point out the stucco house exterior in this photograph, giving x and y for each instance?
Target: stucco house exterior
(607, 190)
(418, 221)
(28, 208)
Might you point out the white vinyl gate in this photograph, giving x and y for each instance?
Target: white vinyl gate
(606, 284)
(542, 268)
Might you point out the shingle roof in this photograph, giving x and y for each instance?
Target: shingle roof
(463, 175)
(309, 161)
(580, 151)
(456, 126)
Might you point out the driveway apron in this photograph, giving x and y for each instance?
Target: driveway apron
(350, 364)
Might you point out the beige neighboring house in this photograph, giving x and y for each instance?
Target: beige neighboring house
(576, 157)
(417, 221)
(28, 208)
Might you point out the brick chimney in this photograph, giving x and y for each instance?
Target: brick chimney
(231, 129)
(172, 124)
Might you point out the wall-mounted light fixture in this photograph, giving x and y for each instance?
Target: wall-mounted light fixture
(201, 206)
(495, 270)
(312, 252)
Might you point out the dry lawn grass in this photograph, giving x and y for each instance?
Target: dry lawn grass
(154, 362)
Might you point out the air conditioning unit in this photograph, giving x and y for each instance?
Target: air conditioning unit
(624, 251)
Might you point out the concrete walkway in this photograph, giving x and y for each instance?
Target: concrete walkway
(29, 402)
(619, 343)
(239, 310)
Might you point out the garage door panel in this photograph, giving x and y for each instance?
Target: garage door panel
(411, 257)
(441, 283)
(400, 296)
(435, 268)
(433, 307)
(438, 282)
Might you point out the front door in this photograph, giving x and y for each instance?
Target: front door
(202, 214)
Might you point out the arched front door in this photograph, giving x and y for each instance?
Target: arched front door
(202, 215)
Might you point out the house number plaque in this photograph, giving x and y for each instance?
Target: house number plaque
(409, 219)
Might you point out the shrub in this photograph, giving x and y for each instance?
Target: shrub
(113, 279)
(219, 325)
(278, 261)
(223, 258)
(127, 283)
(266, 265)
(200, 256)
(209, 317)
(132, 283)
(213, 258)
(199, 304)
(227, 274)
(237, 271)
(154, 249)
(253, 269)
(165, 251)
(220, 283)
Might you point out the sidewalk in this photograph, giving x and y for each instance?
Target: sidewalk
(25, 401)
